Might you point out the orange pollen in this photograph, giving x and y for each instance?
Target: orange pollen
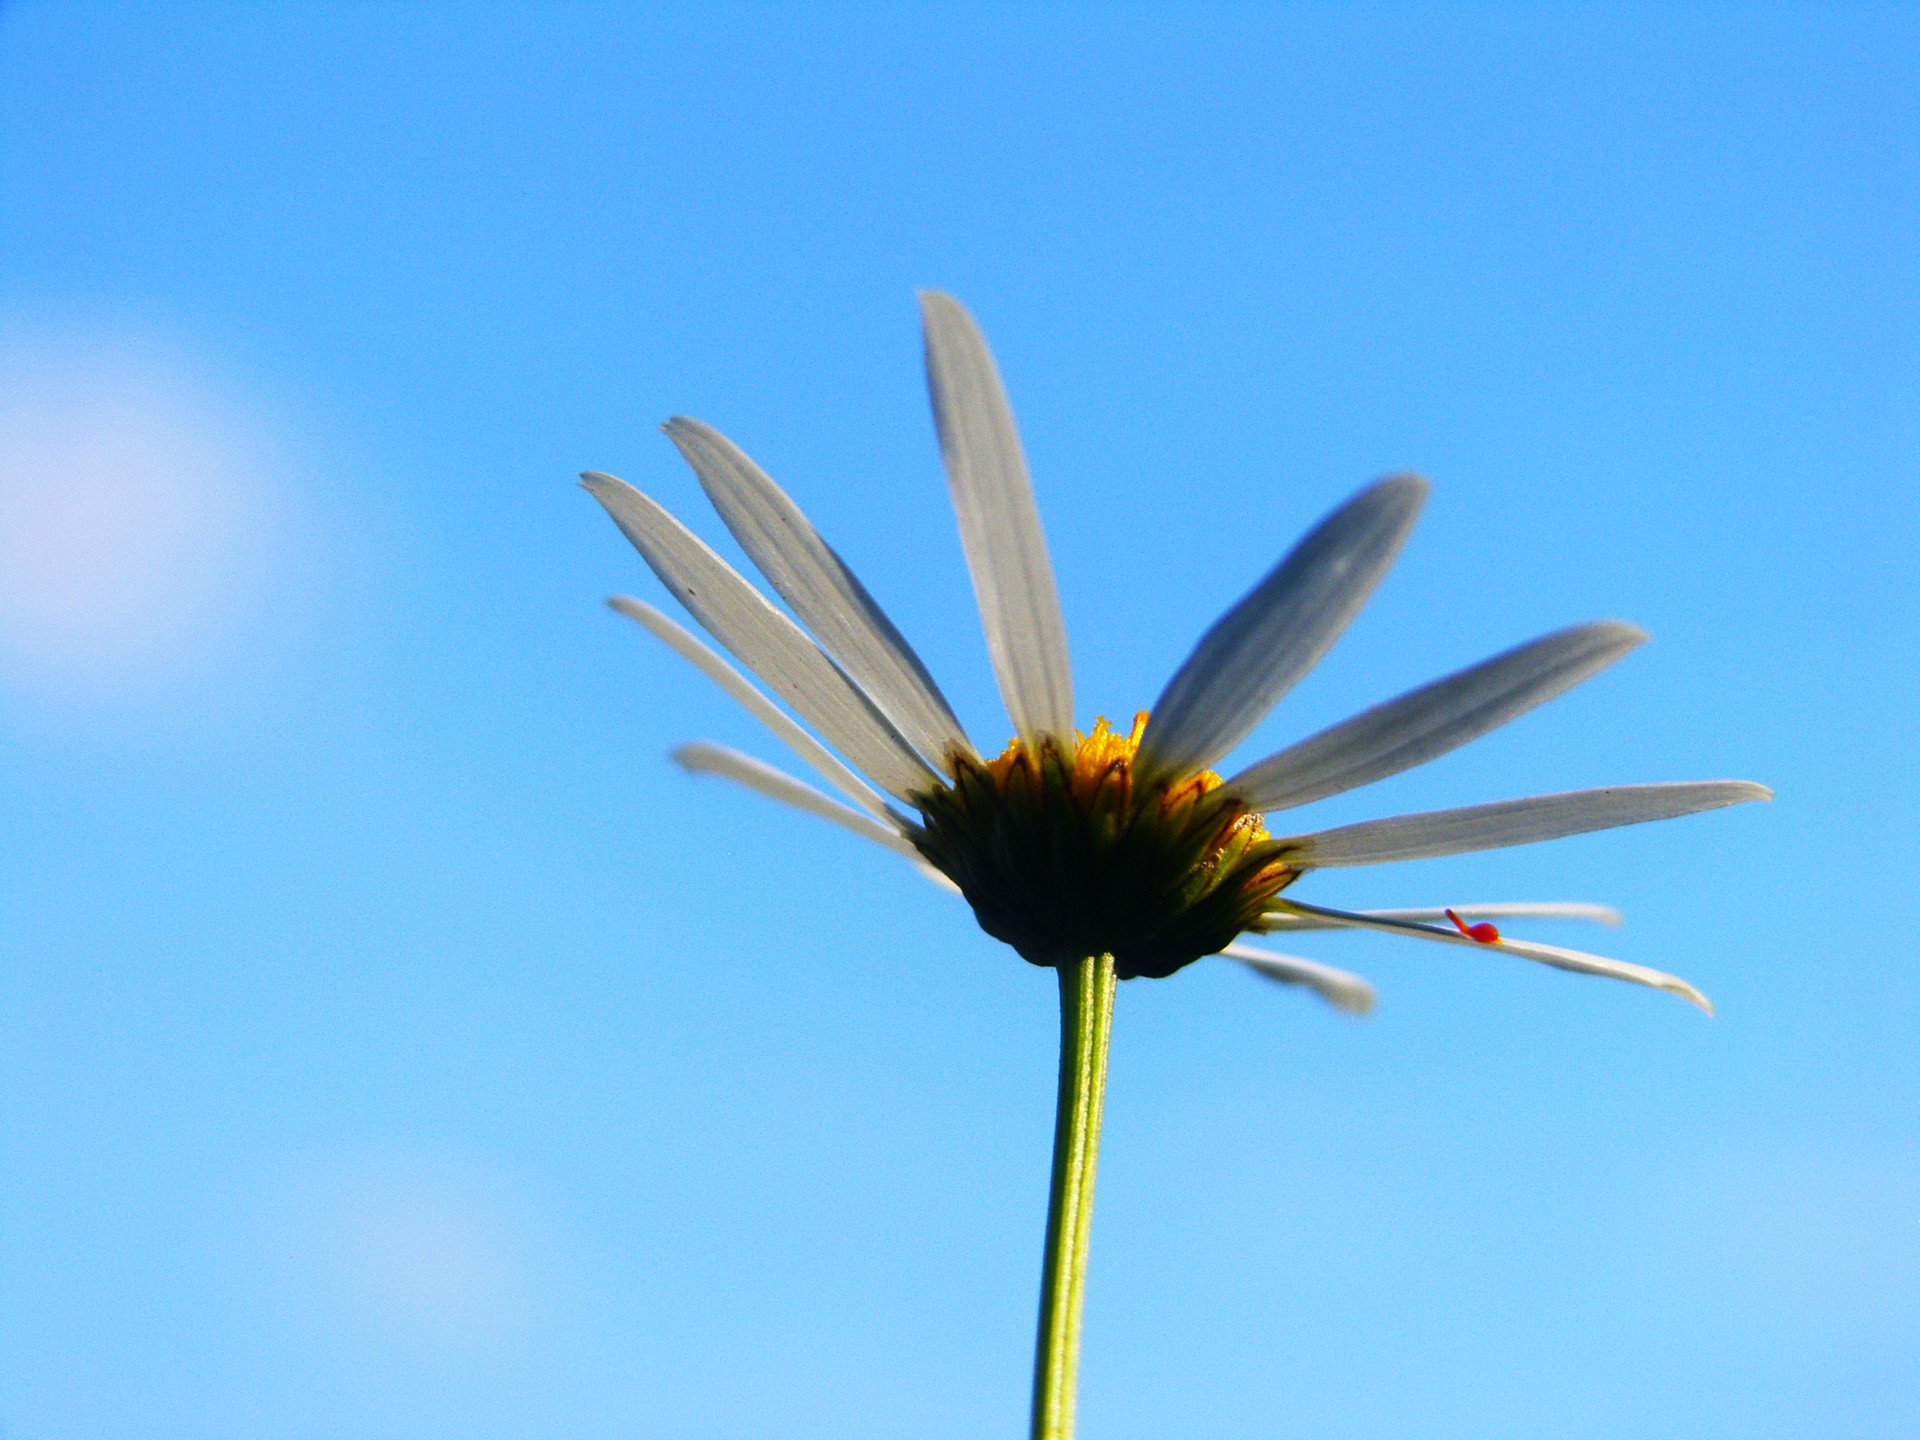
(1483, 932)
(1064, 850)
(1102, 755)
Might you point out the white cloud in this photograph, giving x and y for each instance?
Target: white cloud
(425, 1261)
(140, 512)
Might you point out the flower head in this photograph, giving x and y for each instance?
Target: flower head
(1064, 850)
(1072, 843)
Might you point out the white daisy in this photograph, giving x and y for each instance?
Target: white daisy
(1073, 844)
(1105, 855)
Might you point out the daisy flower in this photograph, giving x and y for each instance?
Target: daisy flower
(1109, 853)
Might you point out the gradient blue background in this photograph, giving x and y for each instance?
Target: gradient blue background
(393, 1044)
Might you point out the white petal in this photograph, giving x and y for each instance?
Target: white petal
(764, 639)
(1338, 988)
(824, 593)
(1496, 910)
(1516, 822)
(1554, 955)
(936, 877)
(999, 524)
(703, 759)
(1260, 648)
(1432, 720)
(710, 664)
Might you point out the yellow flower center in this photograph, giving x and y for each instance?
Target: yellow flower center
(1063, 853)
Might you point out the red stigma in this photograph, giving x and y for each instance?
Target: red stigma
(1483, 932)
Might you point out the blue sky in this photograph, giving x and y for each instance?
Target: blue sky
(394, 1044)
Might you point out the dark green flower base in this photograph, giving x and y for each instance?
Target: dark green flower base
(1061, 870)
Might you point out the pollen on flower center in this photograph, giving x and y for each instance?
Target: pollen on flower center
(1064, 852)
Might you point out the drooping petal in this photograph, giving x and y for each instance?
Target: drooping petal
(824, 593)
(936, 878)
(1338, 988)
(999, 523)
(764, 639)
(1556, 956)
(702, 758)
(1496, 910)
(1432, 720)
(682, 640)
(1260, 648)
(1515, 822)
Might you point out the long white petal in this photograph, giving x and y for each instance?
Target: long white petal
(1516, 822)
(1554, 955)
(937, 878)
(1434, 719)
(1260, 648)
(764, 639)
(1339, 989)
(682, 640)
(701, 758)
(1496, 910)
(999, 523)
(824, 593)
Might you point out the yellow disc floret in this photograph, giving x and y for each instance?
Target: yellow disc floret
(1064, 852)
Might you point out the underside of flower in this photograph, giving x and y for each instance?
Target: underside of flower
(1071, 846)
(1064, 851)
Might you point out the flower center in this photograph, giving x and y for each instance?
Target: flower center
(1063, 855)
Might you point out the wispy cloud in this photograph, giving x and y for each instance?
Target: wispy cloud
(425, 1260)
(142, 508)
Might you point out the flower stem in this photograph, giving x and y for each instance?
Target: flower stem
(1086, 1024)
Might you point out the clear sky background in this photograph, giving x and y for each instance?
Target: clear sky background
(393, 1044)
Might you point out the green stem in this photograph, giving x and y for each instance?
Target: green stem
(1086, 1024)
